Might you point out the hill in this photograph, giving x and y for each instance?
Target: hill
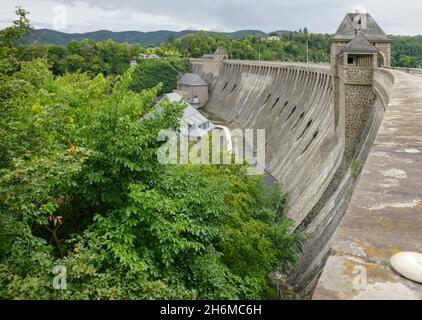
(48, 36)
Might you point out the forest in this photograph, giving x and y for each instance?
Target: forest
(82, 191)
(108, 56)
(291, 46)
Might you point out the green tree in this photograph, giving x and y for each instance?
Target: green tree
(171, 38)
(81, 187)
(150, 72)
(10, 35)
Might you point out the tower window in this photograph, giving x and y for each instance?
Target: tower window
(350, 60)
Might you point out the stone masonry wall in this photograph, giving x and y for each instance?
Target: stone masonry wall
(356, 75)
(358, 104)
(385, 49)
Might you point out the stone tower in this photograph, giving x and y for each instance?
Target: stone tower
(358, 47)
(363, 23)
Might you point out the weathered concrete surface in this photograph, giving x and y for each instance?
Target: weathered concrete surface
(293, 103)
(305, 146)
(385, 214)
(323, 220)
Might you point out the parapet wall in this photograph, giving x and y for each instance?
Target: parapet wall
(305, 139)
(412, 71)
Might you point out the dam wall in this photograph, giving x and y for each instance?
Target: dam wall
(293, 103)
(305, 140)
(325, 218)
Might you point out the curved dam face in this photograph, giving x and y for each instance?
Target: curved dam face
(295, 107)
(319, 131)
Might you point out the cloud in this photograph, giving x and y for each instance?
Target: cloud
(218, 15)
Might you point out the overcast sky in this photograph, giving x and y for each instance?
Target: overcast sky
(395, 17)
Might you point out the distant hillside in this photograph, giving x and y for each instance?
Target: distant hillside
(144, 38)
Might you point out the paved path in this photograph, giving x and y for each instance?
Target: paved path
(385, 214)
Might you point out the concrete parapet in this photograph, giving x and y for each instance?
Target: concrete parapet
(414, 71)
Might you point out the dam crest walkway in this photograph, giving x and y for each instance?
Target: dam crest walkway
(385, 213)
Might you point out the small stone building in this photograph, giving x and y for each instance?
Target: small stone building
(196, 89)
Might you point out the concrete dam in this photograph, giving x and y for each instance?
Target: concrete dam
(321, 122)
(294, 106)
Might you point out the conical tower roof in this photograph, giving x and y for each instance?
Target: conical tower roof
(365, 23)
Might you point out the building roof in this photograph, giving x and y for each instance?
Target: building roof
(195, 120)
(195, 132)
(193, 116)
(174, 97)
(360, 44)
(363, 21)
(192, 79)
(220, 51)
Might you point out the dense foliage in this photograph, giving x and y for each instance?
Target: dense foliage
(106, 57)
(407, 51)
(149, 72)
(81, 187)
(292, 46)
(110, 57)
